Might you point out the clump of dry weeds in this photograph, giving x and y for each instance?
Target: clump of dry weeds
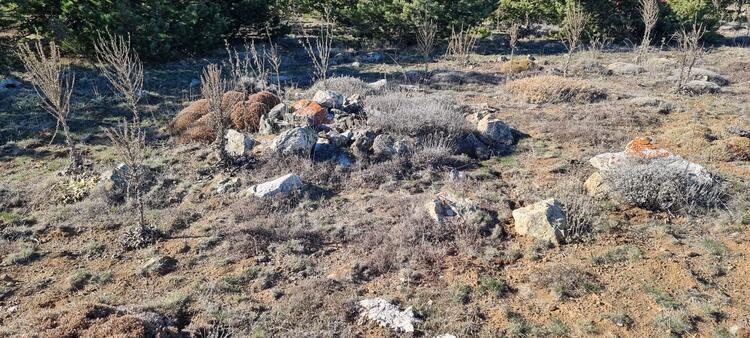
(555, 89)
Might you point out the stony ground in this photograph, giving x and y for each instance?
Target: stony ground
(300, 265)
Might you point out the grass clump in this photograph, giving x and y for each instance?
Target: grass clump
(26, 254)
(78, 279)
(493, 286)
(566, 281)
(555, 89)
(416, 114)
(621, 253)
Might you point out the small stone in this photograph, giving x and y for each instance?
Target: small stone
(473, 147)
(544, 220)
(624, 68)
(495, 133)
(282, 185)
(238, 144)
(324, 151)
(113, 183)
(160, 266)
(698, 87)
(388, 315)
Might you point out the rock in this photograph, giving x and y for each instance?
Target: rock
(624, 68)
(314, 112)
(227, 185)
(113, 183)
(373, 57)
(329, 99)
(441, 207)
(356, 64)
(352, 104)
(296, 141)
(698, 87)
(344, 160)
(656, 104)
(159, 266)
(238, 144)
(282, 185)
(473, 147)
(324, 151)
(378, 85)
(738, 131)
(702, 74)
(384, 146)
(388, 315)
(495, 133)
(339, 139)
(8, 84)
(544, 220)
(596, 187)
(363, 140)
(269, 122)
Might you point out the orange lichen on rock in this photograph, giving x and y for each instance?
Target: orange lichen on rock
(300, 104)
(643, 148)
(313, 111)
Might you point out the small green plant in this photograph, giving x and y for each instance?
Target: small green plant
(714, 247)
(678, 323)
(662, 298)
(493, 286)
(621, 253)
(463, 294)
(558, 328)
(589, 327)
(620, 319)
(78, 279)
(25, 255)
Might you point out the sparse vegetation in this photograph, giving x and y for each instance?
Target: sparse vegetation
(555, 89)
(415, 114)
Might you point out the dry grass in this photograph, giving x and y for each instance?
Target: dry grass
(573, 27)
(555, 89)
(346, 85)
(517, 65)
(415, 114)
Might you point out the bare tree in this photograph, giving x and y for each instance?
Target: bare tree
(690, 50)
(650, 16)
(274, 59)
(53, 83)
(575, 23)
(513, 35)
(212, 88)
(122, 67)
(426, 33)
(319, 50)
(461, 45)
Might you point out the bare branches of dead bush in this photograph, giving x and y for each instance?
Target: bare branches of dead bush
(213, 87)
(513, 31)
(690, 50)
(53, 83)
(461, 45)
(426, 33)
(575, 23)
(319, 50)
(650, 15)
(123, 69)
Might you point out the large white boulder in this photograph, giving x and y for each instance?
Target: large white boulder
(329, 99)
(282, 185)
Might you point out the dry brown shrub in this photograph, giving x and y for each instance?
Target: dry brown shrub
(188, 116)
(199, 132)
(555, 89)
(731, 149)
(118, 327)
(267, 98)
(517, 66)
(247, 116)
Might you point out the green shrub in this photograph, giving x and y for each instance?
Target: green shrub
(396, 18)
(158, 29)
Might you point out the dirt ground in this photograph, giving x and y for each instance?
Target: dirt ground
(294, 267)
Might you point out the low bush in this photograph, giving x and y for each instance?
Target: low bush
(555, 89)
(345, 85)
(566, 281)
(416, 114)
(658, 185)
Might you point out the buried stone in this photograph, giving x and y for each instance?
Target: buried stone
(388, 315)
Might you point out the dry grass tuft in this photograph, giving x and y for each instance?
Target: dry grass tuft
(346, 85)
(555, 89)
(414, 114)
(518, 65)
(246, 116)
